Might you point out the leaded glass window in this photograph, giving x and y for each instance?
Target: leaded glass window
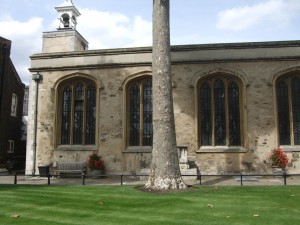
(147, 113)
(219, 112)
(140, 112)
(66, 115)
(234, 114)
(78, 113)
(205, 114)
(288, 109)
(90, 115)
(283, 113)
(134, 114)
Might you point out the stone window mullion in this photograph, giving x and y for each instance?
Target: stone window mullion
(290, 112)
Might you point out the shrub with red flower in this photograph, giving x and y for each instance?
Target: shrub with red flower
(95, 162)
(279, 158)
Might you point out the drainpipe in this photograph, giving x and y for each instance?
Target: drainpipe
(36, 77)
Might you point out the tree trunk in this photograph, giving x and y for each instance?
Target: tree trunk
(165, 172)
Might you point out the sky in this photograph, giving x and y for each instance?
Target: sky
(128, 23)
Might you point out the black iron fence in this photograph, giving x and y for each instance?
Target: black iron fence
(200, 179)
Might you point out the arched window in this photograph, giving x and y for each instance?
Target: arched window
(78, 113)
(139, 112)
(220, 111)
(288, 109)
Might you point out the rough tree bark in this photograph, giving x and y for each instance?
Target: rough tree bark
(165, 172)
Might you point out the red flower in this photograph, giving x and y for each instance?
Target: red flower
(95, 162)
(279, 158)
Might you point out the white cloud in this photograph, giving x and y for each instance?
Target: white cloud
(141, 33)
(113, 30)
(14, 27)
(278, 12)
(26, 39)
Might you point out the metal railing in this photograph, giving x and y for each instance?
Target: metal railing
(121, 176)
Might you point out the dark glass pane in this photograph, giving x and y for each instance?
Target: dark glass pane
(283, 113)
(295, 84)
(78, 114)
(205, 115)
(220, 118)
(134, 121)
(147, 111)
(234, 114)
(66, 116)
(90, 115)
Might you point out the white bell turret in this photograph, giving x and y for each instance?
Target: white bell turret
(68, 14)
(66, 38)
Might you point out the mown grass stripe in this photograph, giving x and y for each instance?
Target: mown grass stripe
(110, 205)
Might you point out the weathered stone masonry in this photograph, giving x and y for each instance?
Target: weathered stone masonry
(256, 64)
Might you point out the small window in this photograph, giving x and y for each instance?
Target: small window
(14, 104)
(11, 146)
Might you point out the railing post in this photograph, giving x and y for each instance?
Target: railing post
(241, 179)
(83, 178)
(122, 179)
(48, 178)
(15, 180)
(200, 178)
(284, 178)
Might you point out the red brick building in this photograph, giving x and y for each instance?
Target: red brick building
(11, 107)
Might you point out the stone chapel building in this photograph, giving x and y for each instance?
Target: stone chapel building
(233, 103)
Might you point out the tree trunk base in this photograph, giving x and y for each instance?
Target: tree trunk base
(165, 184)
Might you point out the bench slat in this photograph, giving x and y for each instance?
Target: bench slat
(69, 167)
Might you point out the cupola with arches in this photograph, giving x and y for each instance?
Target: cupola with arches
(66, 37)
(68, 14)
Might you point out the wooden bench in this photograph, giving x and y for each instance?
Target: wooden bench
(69, 167)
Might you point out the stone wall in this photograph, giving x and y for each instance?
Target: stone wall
(112, 73)
(63, 41)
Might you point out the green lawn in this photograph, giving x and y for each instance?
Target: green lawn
(121, 205)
